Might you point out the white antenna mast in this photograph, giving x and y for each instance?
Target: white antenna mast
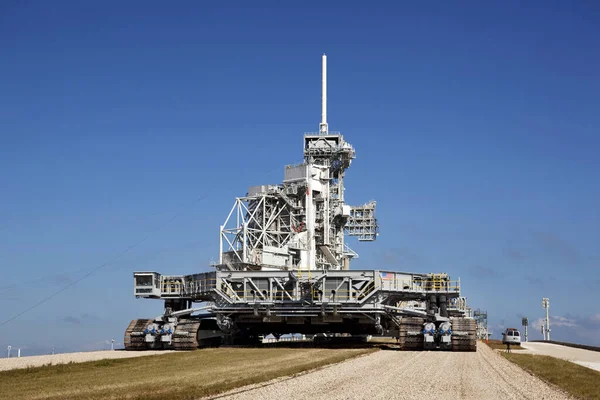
(323, 129)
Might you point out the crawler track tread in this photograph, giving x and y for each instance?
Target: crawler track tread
(407, 340)
(186, 335)
(132, 341)
(463, 342)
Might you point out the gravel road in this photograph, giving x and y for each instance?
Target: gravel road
(409, 375)
(63, 358)
(587, 358)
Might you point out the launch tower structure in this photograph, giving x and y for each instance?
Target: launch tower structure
(300, 224)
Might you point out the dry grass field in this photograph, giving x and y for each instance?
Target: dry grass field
(382, 340)
(497, 345)
(176, 376)
(578, 381)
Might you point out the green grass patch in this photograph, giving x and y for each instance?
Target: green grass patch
(580, 382)
(176, 376)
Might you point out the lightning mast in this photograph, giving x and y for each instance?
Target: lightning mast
(323, 128)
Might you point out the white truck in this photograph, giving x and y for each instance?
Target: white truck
(511, 336)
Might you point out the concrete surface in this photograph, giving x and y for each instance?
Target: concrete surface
(389, 374)
(587, 358)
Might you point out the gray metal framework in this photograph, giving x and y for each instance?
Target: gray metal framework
(311, 290)
(300, 224)
(284, 267)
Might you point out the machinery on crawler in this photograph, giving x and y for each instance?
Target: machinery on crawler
(284, 267)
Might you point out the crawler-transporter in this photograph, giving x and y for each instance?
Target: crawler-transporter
(284, 268)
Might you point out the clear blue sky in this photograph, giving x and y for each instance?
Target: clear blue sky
(476, 128)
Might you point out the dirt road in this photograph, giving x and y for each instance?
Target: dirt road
(587, 358)
(409, 375)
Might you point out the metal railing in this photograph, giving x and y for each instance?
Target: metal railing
(390, 281)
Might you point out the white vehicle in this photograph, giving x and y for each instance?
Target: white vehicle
(511, 336)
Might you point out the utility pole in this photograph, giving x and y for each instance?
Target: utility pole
(546, 328)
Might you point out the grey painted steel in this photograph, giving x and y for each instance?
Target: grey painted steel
(353, 301)
(284, 267)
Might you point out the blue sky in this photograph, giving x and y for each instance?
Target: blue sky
(476, 129)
